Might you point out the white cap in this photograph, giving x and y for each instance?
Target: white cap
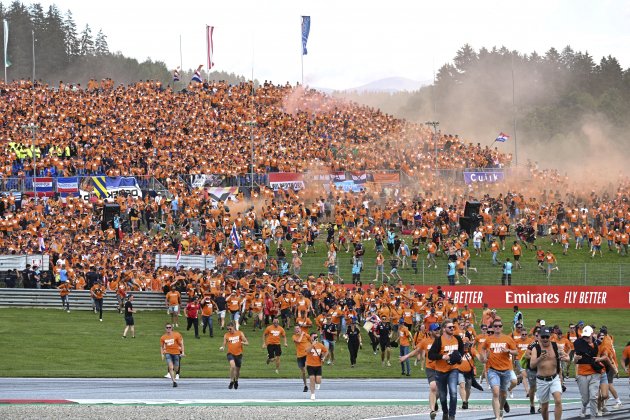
(587, 331)
(542, 323)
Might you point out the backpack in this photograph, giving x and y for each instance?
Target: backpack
(555, 349)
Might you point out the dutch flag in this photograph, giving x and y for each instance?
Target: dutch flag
(197, 75)
(502, 137)
(234, 237)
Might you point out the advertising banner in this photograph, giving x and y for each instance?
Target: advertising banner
(483, 177)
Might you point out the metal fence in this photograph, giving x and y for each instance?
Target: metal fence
(589, 274)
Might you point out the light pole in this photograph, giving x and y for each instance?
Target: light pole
(32, 127)
(251, 138)
(435, 125)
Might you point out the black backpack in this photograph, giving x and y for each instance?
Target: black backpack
(555, 349)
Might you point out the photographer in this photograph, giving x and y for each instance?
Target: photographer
(589, 368)
(447, 351)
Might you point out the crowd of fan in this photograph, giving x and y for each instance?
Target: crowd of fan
(147, 129)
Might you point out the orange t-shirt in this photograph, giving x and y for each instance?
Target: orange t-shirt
(468, 361)
(234, 342)
(403, 335)
(314, 357)
(449, 345)
(172, 343)
(498, 359)
(625, 356)
(173, 298)
(301, 345)
(272, 334)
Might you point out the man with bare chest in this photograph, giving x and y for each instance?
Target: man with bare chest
(546, 359)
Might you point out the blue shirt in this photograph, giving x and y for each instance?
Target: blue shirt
(451, 268)
(507, 267)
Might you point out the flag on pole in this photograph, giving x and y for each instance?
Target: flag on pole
(7, 63)
(306, 29)
(234, 237)
(502, 137)
(209, 45)
(197, 75)
(176, 75)
(179, 256)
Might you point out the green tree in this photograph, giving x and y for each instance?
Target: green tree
(86, 43)
(100, 45)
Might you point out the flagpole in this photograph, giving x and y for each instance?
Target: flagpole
(514, 114)
(33, 37)
(181, 65)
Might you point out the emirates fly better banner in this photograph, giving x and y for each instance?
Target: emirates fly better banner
(587, 297)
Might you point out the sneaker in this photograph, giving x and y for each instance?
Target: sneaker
(415, 362)
(174, 384)
(312, 396)
(124, 337)
(599, 414)
(457, 282)
(101, 319)
(468, 281)
(268, 360)
(506, 407)
(532, 410)
(432, 415)
(328, 362)
(317, 386)
(168, 375)
(511, 397)
(617, 405)
(177, 376)
(465, 405)
(305, 389)
(389, 364)
(231, 385)
(277, 373)
(235, 384)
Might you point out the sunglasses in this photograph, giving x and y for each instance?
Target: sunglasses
(490, 332)
(450, 326)
(169, 328)
(544, 336)
(498, 325)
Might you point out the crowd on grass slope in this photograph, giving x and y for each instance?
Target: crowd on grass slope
(147, 129)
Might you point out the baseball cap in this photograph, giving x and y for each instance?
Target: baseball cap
(587, 331)
(434, 327)
(542, 323)
(545, 332)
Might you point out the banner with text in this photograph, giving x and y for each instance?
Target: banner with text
(286, 180)
(586, 297)
(483, 177)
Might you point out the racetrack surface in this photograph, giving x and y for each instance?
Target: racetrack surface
(255, 398)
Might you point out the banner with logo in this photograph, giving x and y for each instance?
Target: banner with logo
(286, 180)
(202, 262)
(110, 187)
(68, 186)
(43, 187)
(483, 177)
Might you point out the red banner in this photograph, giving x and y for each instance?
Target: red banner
(587, 297)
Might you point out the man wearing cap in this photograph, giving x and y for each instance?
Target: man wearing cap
(423, 349)
(589, 370)
(545, 358)
(447, 351)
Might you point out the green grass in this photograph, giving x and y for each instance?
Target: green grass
(53, 343)
(576, 268)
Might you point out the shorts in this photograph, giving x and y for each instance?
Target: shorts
(330, 345)
(172, 359)
(545, 389)
(129, 320)
(531, 378)
(173, 309)
(501, 379)
(603, 379)
(301, 362)
(431, 374)
(221, 314)
(238, 360)
(274, 350)
(466, 380)
(476, 245)
(314, 370)
(384, 345)
(611, 375)
(517, 257)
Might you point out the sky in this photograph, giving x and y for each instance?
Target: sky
(351, 42)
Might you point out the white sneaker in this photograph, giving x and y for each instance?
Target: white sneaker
(389, 364)
(511, 395)
(312, 396)
(457, 282)
(177, 377)
(468, 281)
(617, 405)
(317, 386)
(168, 375)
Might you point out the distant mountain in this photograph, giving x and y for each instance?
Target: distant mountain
(391, 85)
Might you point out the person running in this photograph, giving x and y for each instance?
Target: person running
(301, 340)
(173, 301)
(404, 341)
(355, 342)
(129, 322)
(329, 334)
(383, 331)
(315, 353)
(545, 358)
(192, 315)
(172, 350)
(233, 342)
(422, 350)
(98, 292)
(64, 292)
(589, 368)
(447, 351)
(496, 352)
(467, 372)
(207, 308)
(271, 340)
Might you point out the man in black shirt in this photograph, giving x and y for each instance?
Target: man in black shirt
(129, 323)
(382, 331)
(329, 331)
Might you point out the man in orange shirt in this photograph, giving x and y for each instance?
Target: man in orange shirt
(234, 340)
(172, 349)
(301, 340)
(173, 300)
(447, 351)
(315, 353)
(271, 339)
(625, 358)
(496, 352)
(64, 291)
(404, 341)
(98, 292)
(467, 371)
(207, 309)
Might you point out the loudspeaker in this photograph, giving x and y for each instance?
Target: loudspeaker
(472, 209)
(469, 224)
(109, 212)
